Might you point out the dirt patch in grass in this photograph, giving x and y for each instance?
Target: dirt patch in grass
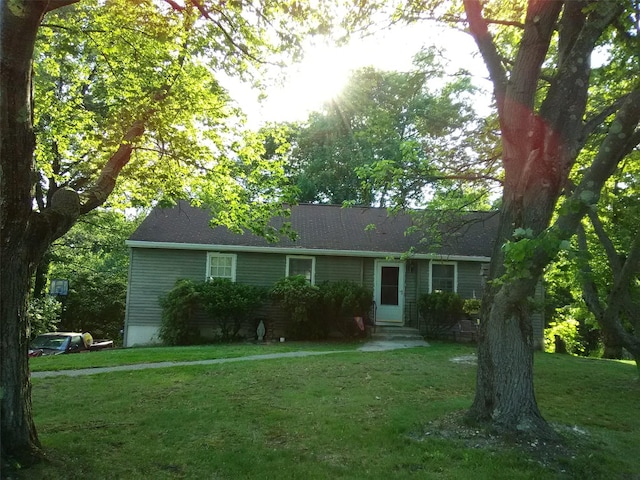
(553, 456)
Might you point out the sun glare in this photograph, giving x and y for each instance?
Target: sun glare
(325, 69)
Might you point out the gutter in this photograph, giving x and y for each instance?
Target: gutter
(301, 251)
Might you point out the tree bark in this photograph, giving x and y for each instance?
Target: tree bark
(28, 233)
(18, 28)
(618, 300)
(539, 150)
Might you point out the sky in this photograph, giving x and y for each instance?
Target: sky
(325, 69)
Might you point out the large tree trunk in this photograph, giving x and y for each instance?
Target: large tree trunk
(28, 233)
(18, 28)
(19, 249)
(504, 386)
(540, 146)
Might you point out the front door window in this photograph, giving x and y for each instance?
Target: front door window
(389, 283)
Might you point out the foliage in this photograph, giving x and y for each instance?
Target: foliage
(387, 136)
(93, 257)
(440, 311)
(341, 301)
(299, 300)
(471, 306)
(44, 315)
(178, 309)
(229, 305)
(564, 336)
(95, 304)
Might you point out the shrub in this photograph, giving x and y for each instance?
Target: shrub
(299, 301)
(471, 306)
(341, 301)
(227, 304)
(563, 337)
(44, 315)
(440, 311)
(178, 308)
(230, 304)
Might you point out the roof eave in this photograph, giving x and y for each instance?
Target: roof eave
(300, 251)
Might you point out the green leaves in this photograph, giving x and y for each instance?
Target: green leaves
(386, 138)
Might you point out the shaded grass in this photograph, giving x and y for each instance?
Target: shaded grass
(347, 415)
(136, 355)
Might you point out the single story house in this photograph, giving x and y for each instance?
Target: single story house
(360, 244)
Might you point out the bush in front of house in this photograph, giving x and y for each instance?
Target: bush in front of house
(341, 302)
(227, 305)
(299, 301)
(178, 309)
(230, 305)
(440, 311)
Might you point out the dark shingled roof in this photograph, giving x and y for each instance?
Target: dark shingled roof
(326, 227)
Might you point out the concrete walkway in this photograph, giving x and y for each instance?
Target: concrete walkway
(375, 346)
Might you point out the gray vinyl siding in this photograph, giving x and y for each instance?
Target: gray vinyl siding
(333, 269)
(422, 276)
(411, 293)
(153, 273)
(469, 280)
(261, 269)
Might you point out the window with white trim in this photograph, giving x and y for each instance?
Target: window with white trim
(443, 277)
(298, 265)
(221, 265)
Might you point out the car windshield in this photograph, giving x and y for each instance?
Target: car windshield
(52, 342)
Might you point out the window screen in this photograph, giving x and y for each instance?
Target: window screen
(443, 277)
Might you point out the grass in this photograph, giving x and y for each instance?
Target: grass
(132, 356)
(351, 415)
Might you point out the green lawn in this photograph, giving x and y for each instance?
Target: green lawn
(350, 415)
(131, 356)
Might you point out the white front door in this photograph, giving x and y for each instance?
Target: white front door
(389, 292)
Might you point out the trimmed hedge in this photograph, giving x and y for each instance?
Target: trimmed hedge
(228, 305)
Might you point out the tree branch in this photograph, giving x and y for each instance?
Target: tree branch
(596, 120)
(479, 31)
(206, 14)
(105, 184)
(589, 289)
(607, 244)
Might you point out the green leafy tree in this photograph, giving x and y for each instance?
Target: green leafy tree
(386, 137)
(44, 315)
(94, 259)
(119, 101)
(550, 105)
(554, 42)
(609, 267)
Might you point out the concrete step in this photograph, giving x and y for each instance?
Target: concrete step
(393, 333)
(385, 337)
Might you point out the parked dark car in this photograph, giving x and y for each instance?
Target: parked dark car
(57, 343)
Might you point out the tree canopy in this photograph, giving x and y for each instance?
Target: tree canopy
(119, 102)
(389, 136)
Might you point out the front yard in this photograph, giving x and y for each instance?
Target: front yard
(347, 415)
